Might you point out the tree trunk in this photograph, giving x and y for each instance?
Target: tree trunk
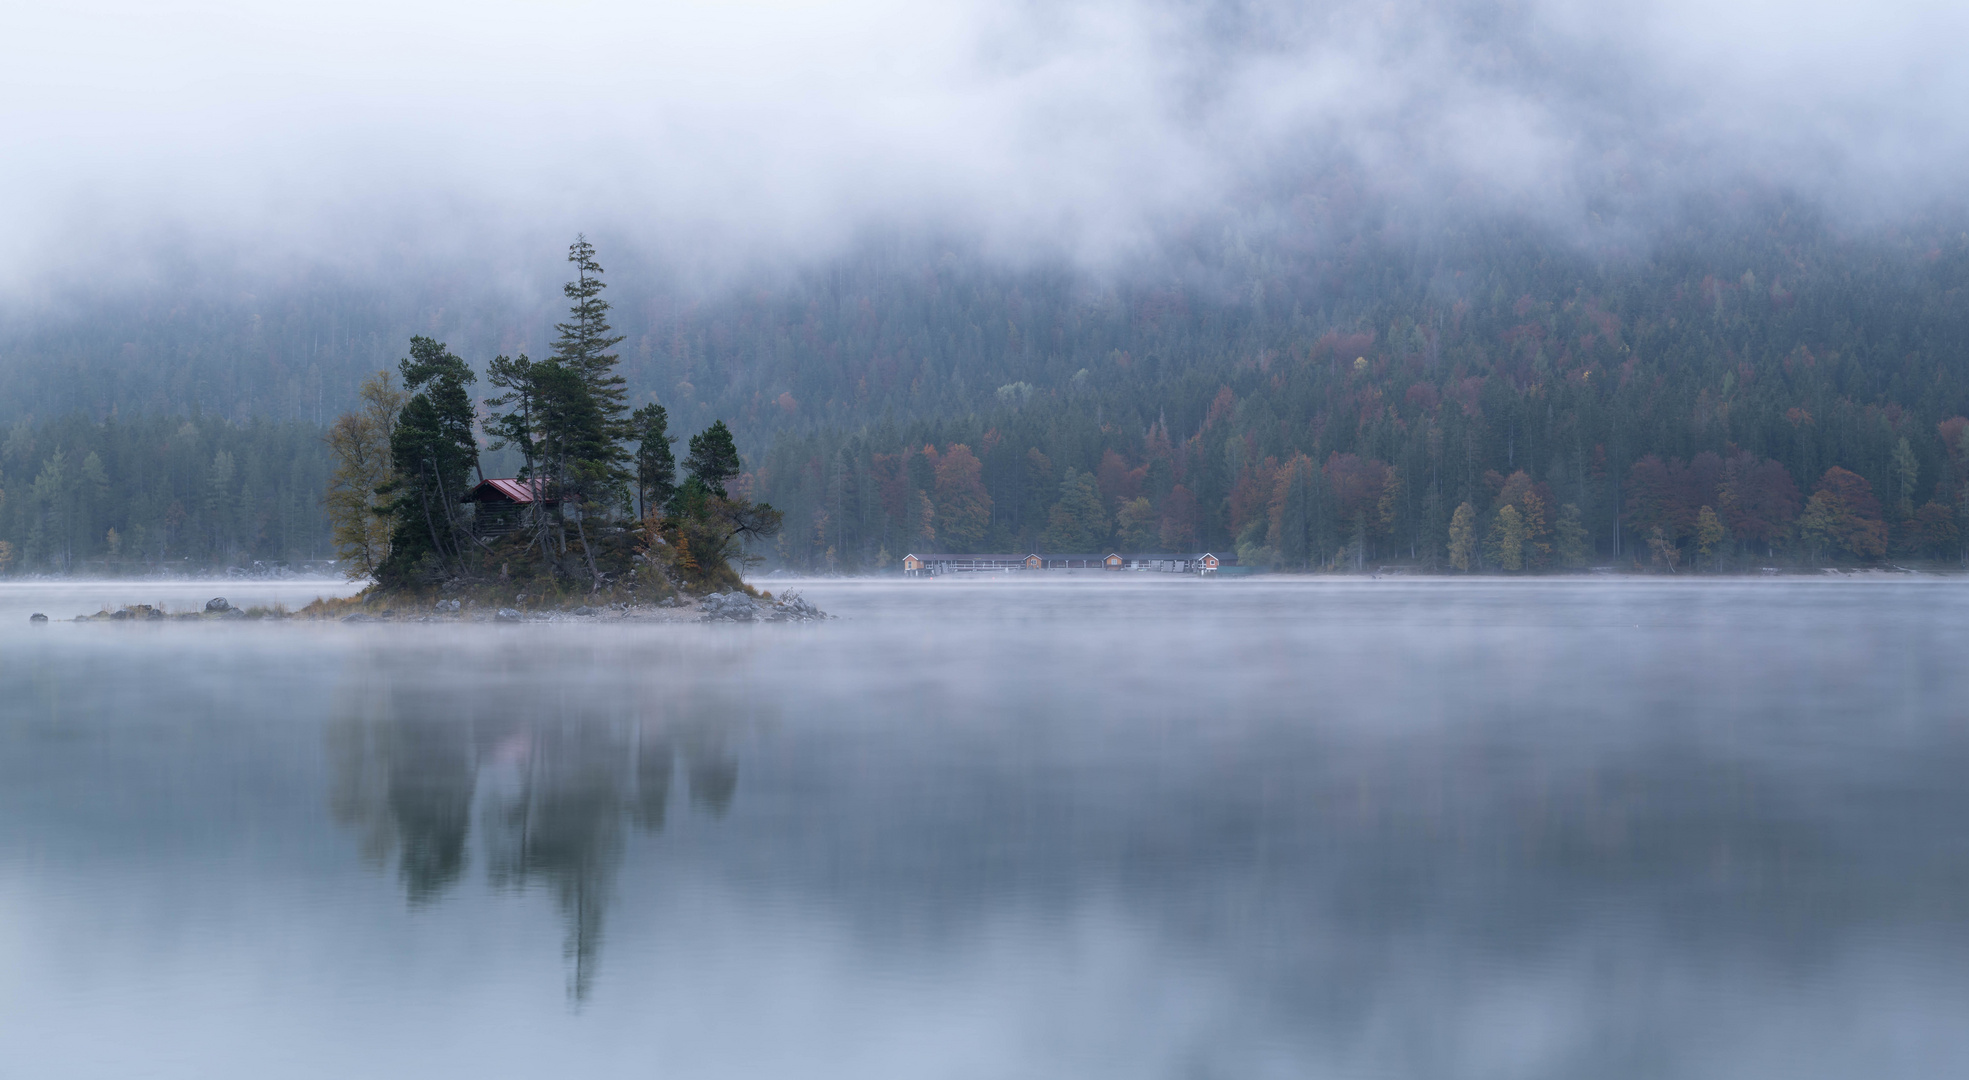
(589, 554)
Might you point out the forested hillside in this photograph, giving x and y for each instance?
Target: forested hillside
(1344, 413)
(158, 493)
(1326, 393)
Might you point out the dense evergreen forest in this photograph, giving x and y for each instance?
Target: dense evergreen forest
(1771, 394)
(1349, 390)
(151, 494)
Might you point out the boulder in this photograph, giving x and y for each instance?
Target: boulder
(217, 604)
(584, 610)
(451, 607)
(37, 617)
(506, 614)
(794, 608)
(359, 617)
(232, 613)
(728, 607)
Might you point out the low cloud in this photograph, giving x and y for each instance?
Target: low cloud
(713, 136)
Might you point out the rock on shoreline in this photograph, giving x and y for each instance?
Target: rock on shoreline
(717, 607)
(738, 607)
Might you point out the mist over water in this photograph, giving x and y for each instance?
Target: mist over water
(985, 828)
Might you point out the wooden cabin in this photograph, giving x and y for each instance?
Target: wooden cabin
(509, 504)
(1114, 562)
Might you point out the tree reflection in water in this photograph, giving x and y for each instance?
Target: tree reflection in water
(551, 783)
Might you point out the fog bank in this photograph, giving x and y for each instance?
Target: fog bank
(717, 137)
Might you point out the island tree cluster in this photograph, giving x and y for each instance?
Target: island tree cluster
(607, 510)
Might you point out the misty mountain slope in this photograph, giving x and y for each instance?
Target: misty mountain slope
(1608, 395)
(930, 334)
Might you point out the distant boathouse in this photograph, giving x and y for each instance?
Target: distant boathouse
(914, 565)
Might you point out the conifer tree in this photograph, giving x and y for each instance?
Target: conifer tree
(515, 426)
(574, 447)
(584, 348)
(1574, 547)
(713, 458)
(433, 453)
(1078, 522)
(1295, 524)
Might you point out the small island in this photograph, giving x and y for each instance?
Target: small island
(594, 524)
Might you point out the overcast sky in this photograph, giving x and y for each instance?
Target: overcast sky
(366, 131)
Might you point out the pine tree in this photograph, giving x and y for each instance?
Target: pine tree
(433, 452)
(713, 459)
(1077, 522)
(515, 426)
(1573, 547)
(575, 448)
(583, 348)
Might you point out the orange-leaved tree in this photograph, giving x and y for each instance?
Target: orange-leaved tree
(1844, 516)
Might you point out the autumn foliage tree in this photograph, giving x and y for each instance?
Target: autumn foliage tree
(1757, 500)
(1463, 537)
(963, 506)
(358, 516)
(1843, 517)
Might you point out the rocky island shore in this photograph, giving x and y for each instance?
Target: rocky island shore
(732, 607)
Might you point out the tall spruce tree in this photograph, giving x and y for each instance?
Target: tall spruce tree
(583, 348)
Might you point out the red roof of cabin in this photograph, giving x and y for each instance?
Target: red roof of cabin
(520, 491)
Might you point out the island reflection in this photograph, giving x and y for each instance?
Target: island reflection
(550, 782)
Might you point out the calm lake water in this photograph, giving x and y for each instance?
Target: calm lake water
(996, 829)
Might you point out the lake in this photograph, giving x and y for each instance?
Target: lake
(1002, 828)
